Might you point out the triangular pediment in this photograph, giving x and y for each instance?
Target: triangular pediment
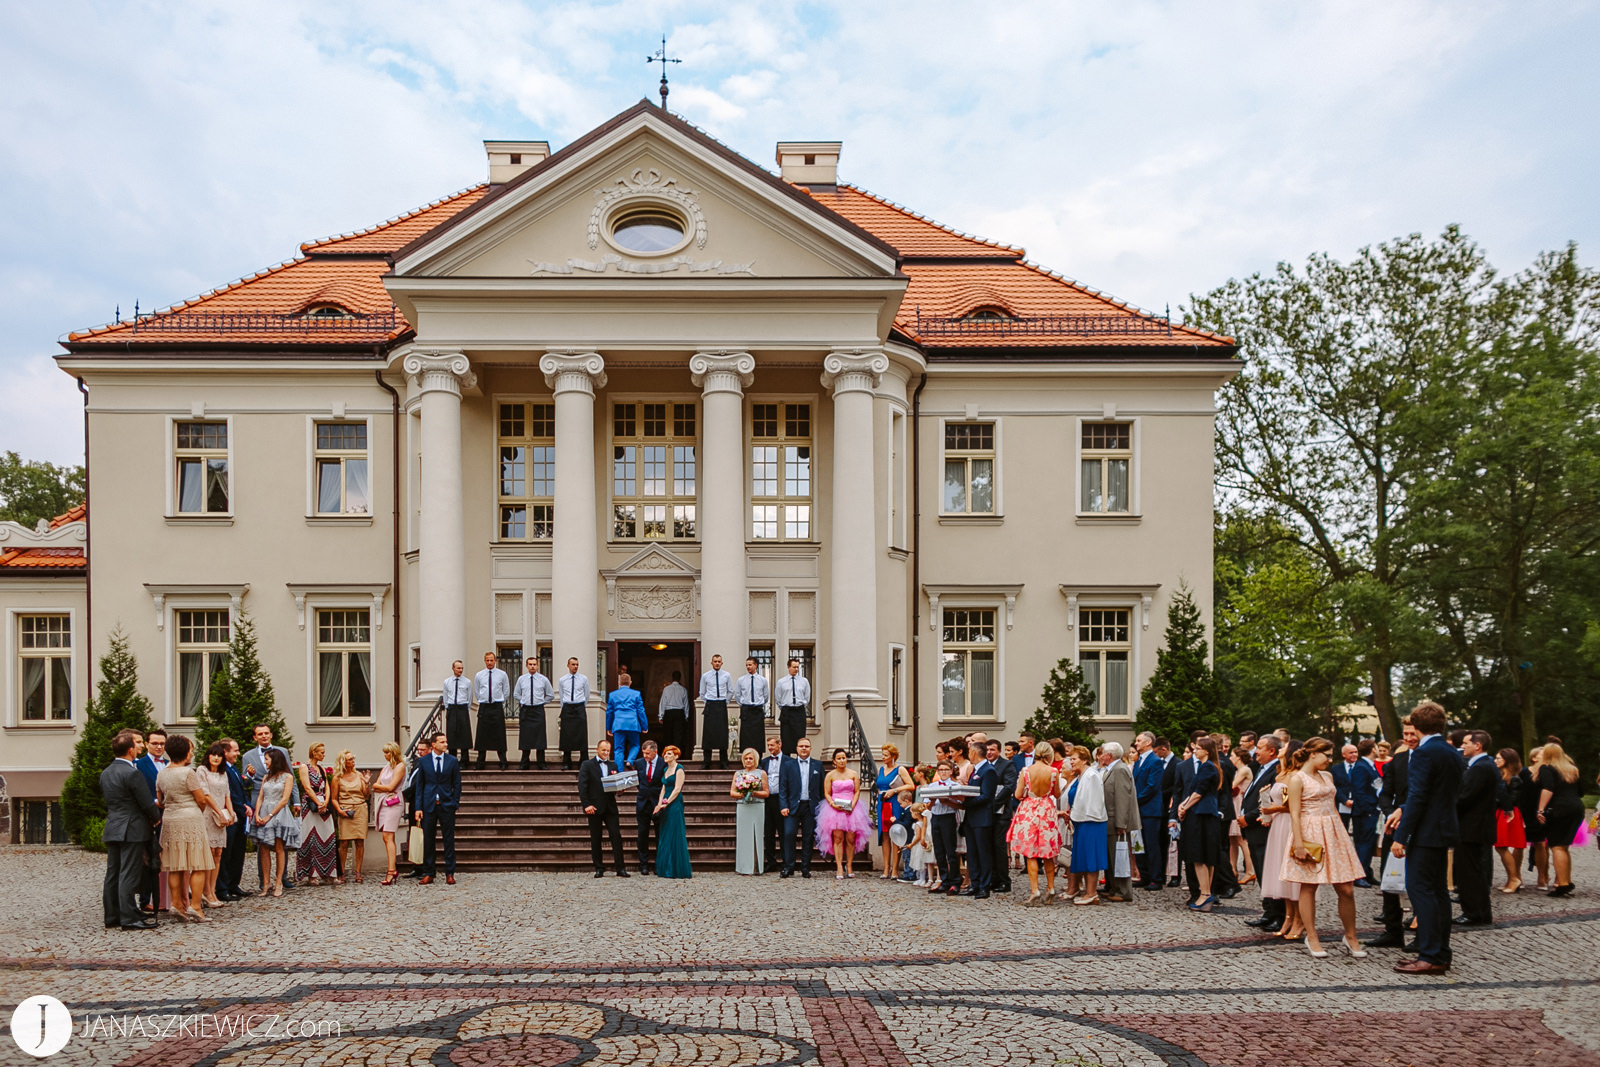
(653, 561)
(558, 220)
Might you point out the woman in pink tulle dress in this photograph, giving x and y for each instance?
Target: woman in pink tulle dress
(1320, 852)
(843, 823)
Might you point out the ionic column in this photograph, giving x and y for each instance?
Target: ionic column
(852, 587)
(724, 601)
(575, 561)
(441, 557)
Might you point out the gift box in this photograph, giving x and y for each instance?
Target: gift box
(616, 783)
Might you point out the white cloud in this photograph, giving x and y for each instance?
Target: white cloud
(153, 151)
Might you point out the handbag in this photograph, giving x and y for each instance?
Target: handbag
(391, 800)
(414, 845)
(1314, 850)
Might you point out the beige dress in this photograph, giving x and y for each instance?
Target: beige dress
(183, 825)
(355, 827)
(217, 786)
(1320, 825)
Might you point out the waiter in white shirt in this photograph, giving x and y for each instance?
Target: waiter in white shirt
(794, 694)
(672, 712)
(492, 686)
(574, 694)
(457, 696)
(752, 693)
(716, 686)
(533, 691)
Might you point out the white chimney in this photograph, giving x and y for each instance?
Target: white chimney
(508, 159)
(809, 162)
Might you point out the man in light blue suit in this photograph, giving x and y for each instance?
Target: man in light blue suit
(625, 719)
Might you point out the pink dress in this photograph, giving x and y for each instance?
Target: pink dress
(830, 818)
(389, 815)
(1320, 825)
(1278, 834)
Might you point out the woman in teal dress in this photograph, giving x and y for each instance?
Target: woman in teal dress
(672, 838)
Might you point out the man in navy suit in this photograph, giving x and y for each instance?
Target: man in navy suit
(1255, 831)
(649, 767)
(231, 869)
(1428, 830)
(1169, 782)
(151, 764)
(979, 823)
(1005, 805)
(799, 793)
(1147, 771)
(439, 786)
(1364, 781)
(1477, 811)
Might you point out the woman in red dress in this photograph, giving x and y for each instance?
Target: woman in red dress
(1511, 836)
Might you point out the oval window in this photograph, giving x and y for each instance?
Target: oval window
(648, 231)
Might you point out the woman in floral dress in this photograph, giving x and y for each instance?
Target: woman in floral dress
(319, 851)
(1035, 832)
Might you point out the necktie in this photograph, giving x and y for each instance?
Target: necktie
(438, 765)
(719, 684)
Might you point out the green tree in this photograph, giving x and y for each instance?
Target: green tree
(1333, 417)
(31, 490)
(241, 695)
(1183, 694)
(117, 706)
(1066, 708)
(1507, 519)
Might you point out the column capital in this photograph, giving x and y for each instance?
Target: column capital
(573, 372)
(853, 372)
(722, 372)
(439, 372)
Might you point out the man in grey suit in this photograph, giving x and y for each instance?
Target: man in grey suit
(1122, 817)
(130, 813)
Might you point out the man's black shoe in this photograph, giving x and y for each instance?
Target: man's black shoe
(644, 870)
(113, 924)
(1386, 940)
(785, 874)
(523, 766)
(805, 874)
(981, 896)
(970, 892)
(622, 872)
(148, 924)
(1228, 894)
(1172, 883)
(599, 874)
(1462, 920)
(1260, 924)
(1412, 946)
(1152, 887)
(1362, 883)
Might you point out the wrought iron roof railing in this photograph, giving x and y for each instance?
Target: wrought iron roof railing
(260, 322)
(1034, 325)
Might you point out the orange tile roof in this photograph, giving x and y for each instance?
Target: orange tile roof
(42, 559)
(77, 514)
(951, 275)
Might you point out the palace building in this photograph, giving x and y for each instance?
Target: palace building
(638, 401)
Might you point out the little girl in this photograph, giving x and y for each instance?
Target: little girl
(922, 859)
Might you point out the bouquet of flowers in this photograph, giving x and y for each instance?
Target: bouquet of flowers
(747, 782)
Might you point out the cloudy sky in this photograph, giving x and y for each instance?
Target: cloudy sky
(151, 151)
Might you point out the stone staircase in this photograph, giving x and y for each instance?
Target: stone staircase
(532, 821)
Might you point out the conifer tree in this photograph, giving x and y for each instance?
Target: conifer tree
(118, 706)
(1183, 695)
(1066, 708)
(241, 696)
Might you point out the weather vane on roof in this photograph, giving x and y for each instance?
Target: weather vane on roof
(661, 57)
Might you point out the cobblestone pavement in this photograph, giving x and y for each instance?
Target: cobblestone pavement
(556, 969)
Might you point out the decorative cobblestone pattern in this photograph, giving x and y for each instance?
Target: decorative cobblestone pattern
(514, 969)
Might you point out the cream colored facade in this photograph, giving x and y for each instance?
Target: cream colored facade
(533, 298)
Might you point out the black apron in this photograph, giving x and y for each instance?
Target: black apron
(492, 727)
(530, 728)
(574, 727)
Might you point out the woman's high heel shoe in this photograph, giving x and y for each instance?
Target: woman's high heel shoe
(1318, 953)
(389, 879)
(1356, 951)
(1248, 879)
(1033, 901)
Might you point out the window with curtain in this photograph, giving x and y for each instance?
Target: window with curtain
(780, 472)
(1105, 648)
(344, 663)
(44, 651)
(1106, 458)
(968, 655)
(201, 454)
(527, 474)
(653, 472)
(968, 469)
(202, 646)
(341, 460)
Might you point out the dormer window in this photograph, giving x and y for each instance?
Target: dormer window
(329, 311)
(987, 314)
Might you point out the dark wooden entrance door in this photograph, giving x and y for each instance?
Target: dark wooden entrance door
(651, 663)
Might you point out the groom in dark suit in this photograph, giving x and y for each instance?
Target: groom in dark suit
(130, 814)
(1478, 813)
(439, 787)
(601, 808)
(649, 767)
(1255, 831)
(1428, 830)
(800, 794)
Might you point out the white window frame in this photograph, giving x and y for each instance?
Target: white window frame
(899, 522)
(751, 442)
(1138, 601)
(671, 500)
(13, 656)
(897, 692)
(340, 517)
(314, 607)
(1135, 474)
(175, 516)
(1101, 715)
(999, 482)
(528, 500)
(175, 716)
(998, 606)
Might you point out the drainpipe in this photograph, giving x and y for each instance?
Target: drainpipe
(916, 564)
(394, 567)
(88, 557)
